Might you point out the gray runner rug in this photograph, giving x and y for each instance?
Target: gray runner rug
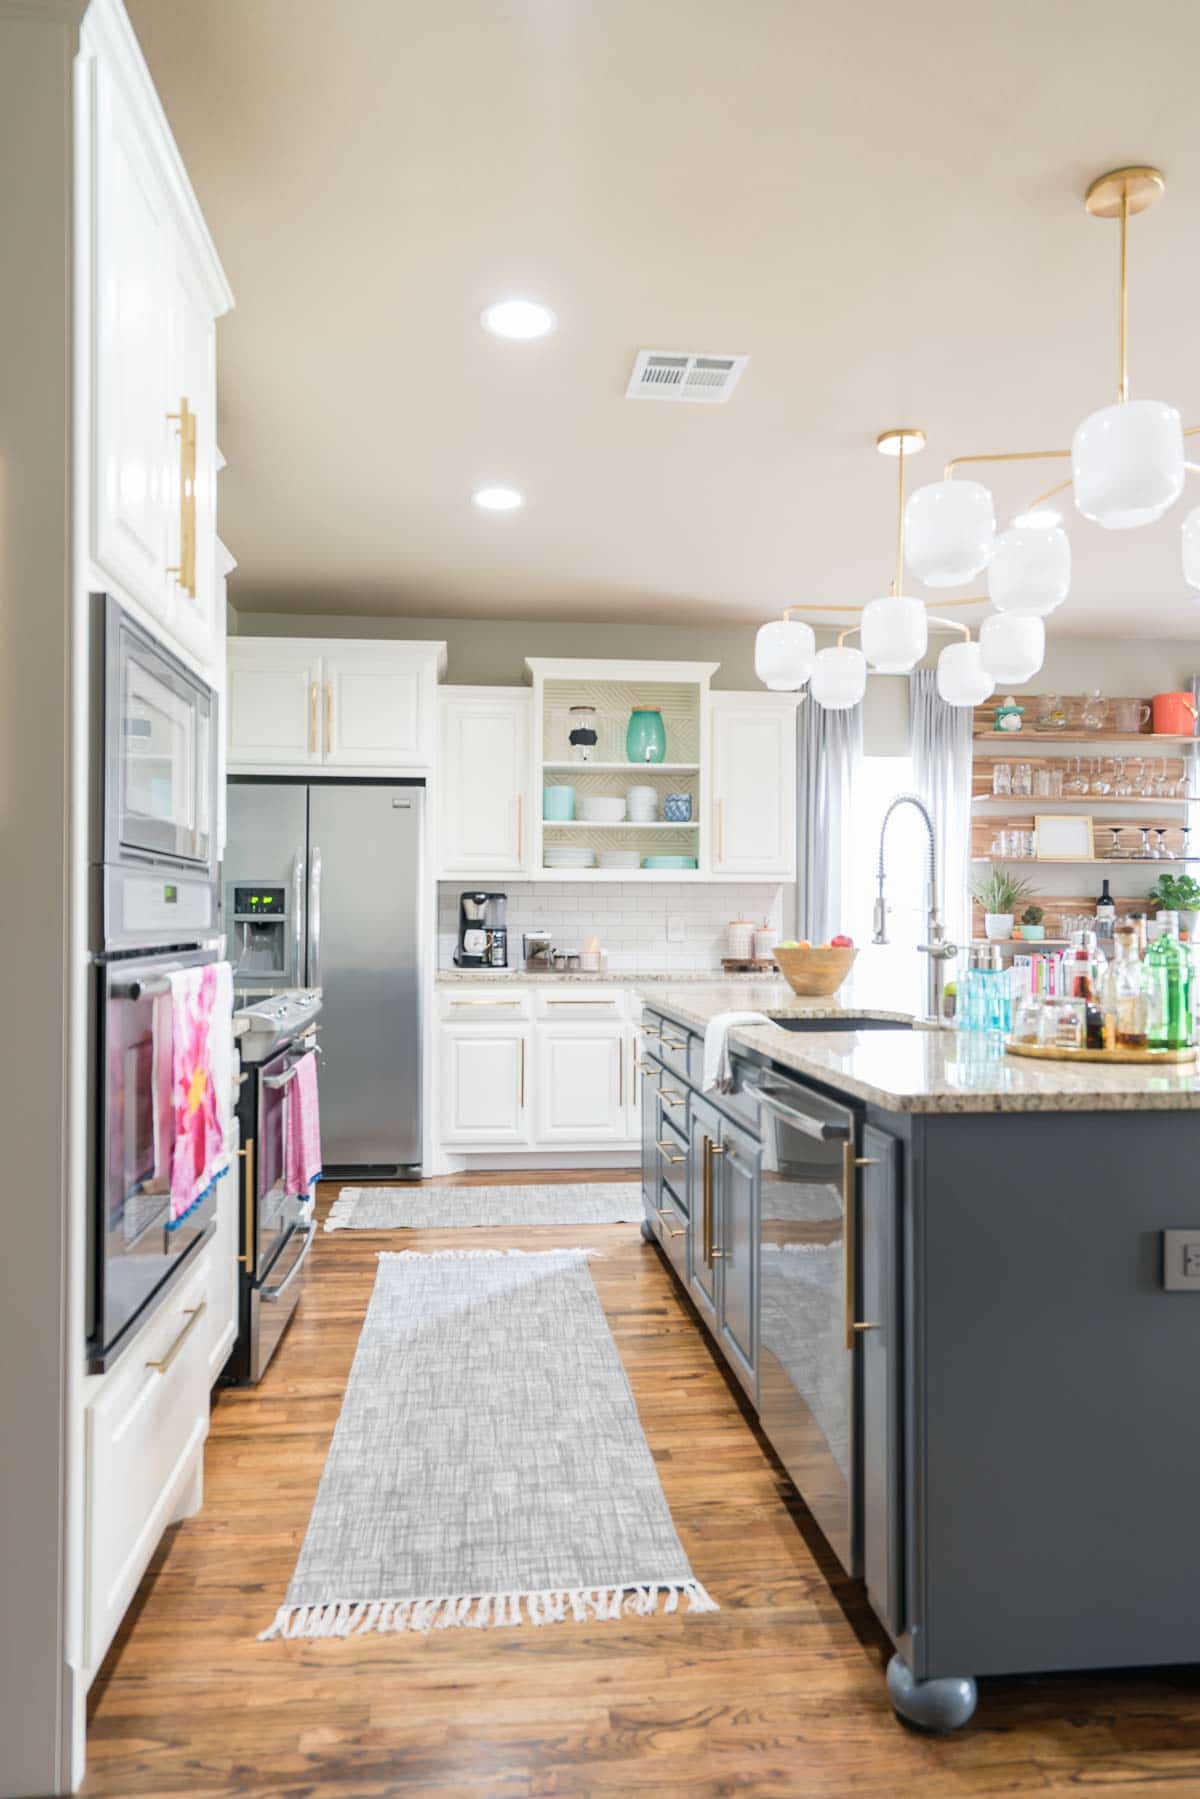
(457, 1208)
(488, 1466)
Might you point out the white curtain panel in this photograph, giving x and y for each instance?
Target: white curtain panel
(828, 752)
(941, 754)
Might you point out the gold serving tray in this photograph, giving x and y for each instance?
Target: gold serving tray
(1143, 1057)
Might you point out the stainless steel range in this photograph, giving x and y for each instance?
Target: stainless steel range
(277, 1226)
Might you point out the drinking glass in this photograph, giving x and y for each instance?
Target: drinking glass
(1048, 783)
(1022, 781)
(1002, 779)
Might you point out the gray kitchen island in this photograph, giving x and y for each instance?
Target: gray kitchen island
(962, 1293)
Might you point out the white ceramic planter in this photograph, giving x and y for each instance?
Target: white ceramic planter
(997, 925)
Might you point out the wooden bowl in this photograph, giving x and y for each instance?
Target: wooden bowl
(815, 973)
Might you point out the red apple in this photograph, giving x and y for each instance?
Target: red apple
(841, 941)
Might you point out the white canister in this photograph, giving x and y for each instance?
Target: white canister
(765, 939)
(739, 939)
(641, 804)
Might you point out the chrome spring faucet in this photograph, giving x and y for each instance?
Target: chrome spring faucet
(938, 950)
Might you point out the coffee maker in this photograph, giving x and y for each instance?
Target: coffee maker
(482, 931)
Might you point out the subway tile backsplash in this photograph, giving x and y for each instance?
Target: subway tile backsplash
(647, 928)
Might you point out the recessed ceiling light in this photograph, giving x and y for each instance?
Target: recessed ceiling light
(498, 499)
(518, 318)
(1042, 518)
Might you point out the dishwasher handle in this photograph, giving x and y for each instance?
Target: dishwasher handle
(825, 1130)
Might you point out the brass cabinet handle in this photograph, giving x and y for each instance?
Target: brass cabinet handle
(714, 1254)
(666, 1146)
(664, 1216)
(520, 827)
(850, 1164)
(720, 808)
(644, 1067)
(485, 1002)
(522, 1074)
(675, 1042)
(648, 1030)
(706, 1206)
(246, 1258)
(328, 717)
(581, 1002)
(671, 1096)
(313, 745)
(620, 1072)
(193, 1314)
(185, 569)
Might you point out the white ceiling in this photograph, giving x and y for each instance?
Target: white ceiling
(881, 205)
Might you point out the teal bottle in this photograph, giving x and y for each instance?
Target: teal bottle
(1169, 978)
(646, 739)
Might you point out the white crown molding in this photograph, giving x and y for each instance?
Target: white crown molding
(107, 33)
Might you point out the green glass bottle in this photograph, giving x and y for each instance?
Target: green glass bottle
(1169, 973)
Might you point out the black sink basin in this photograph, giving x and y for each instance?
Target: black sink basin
(845, 1021)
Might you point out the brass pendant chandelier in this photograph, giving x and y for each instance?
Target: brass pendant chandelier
(1128, 467)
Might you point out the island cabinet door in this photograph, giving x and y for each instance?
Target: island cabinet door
(878, 1317)
(706, 1266)
(735, 1182)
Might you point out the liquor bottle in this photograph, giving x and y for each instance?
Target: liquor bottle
(1106, 912)
(1085, 975)
(1126, 1004)
(1169, 981)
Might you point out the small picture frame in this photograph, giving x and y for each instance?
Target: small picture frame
(1063, 839)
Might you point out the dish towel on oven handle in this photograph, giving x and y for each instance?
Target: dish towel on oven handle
(304, 1126)
(201, 1076)
(718, 1070)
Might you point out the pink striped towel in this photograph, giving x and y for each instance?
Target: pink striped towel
(304, 1127)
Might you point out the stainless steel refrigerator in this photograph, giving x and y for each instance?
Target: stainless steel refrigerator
(322, 885)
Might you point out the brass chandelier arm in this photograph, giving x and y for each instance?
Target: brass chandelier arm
(950, 624)
(846, 631)
(1059, 487)
(976, 599)
(957, 462)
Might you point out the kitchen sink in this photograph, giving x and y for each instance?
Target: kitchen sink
(845, 1021)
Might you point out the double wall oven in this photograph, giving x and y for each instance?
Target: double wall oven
(154, 911)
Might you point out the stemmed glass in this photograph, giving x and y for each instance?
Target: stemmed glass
(1115, 850)
(1098, 781)
(1164, 854)
(1122, 785)
(1148, 853)
(1075, 786)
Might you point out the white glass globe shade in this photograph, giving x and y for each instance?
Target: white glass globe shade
(1127, 463)
(839, 678)
(962, 679)
(1012, 647)
(784, 651)
(949, 531)
(895, 634)
(1030, 570)
(1191, 548)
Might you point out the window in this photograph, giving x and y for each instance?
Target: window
(894, 970)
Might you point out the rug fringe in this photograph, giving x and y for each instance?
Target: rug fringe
(487, 1611)
(342, 1210)
(473, 1255)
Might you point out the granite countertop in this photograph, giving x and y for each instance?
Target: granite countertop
(927, 1070)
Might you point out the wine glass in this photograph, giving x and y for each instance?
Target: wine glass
(1122, 785)
(1098, 781)
(1164, 854)
(1115, 851)
(1075, 786)
(1148, 854)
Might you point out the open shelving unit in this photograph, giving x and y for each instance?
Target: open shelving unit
(1170, 756)
(615, 690)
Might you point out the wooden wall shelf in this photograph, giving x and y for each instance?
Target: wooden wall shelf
(984, 725)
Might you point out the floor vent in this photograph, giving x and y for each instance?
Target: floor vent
(680, 375)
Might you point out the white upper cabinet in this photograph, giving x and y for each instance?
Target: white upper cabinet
(485, 812)
(753, 785)
(154, 290)
(131, 373)
(302, 703)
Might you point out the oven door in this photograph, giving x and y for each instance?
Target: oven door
(808, 1401)
(138, 1253)
(278, 1212)
(160, 761)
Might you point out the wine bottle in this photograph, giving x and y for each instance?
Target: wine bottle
(1106, 912)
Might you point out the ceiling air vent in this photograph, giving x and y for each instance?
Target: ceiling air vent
(680, 375)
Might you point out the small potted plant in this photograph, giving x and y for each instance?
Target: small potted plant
(1178, 893)
(1032, 928)
(1000, 893)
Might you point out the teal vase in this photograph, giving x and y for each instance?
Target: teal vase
(645, 740)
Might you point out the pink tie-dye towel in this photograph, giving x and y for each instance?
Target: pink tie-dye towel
(304, 1127)
(201, 1034)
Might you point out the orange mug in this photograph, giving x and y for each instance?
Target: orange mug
(1173, 715)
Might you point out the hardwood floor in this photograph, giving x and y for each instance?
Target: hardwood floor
(780, 1693)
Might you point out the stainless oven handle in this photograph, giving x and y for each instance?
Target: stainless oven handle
(281, 1080)
(314, 916)
(271, 1294)
(155, 986)
(298, 903)
(821, 1128)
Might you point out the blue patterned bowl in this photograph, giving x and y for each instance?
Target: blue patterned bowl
(677, 808)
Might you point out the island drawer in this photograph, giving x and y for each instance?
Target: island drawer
(671, 1227)
(672, 1043)
(672, 1148)
(483, 1004)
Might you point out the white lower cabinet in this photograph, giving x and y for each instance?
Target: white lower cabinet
(222, 1314)
(484, 1085)
(533, 1068)
(144, 1437)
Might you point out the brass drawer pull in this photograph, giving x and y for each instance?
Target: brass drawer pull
(193, 1314)
(646, 1067)
(675, 1042)
(485, 1002)
(648, 1030)
(664, 1216)
(666, 1149)
(581, 1002)
(671, 1096)
(850, 1164)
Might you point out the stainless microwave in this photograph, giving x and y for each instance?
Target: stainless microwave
(159, 795)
